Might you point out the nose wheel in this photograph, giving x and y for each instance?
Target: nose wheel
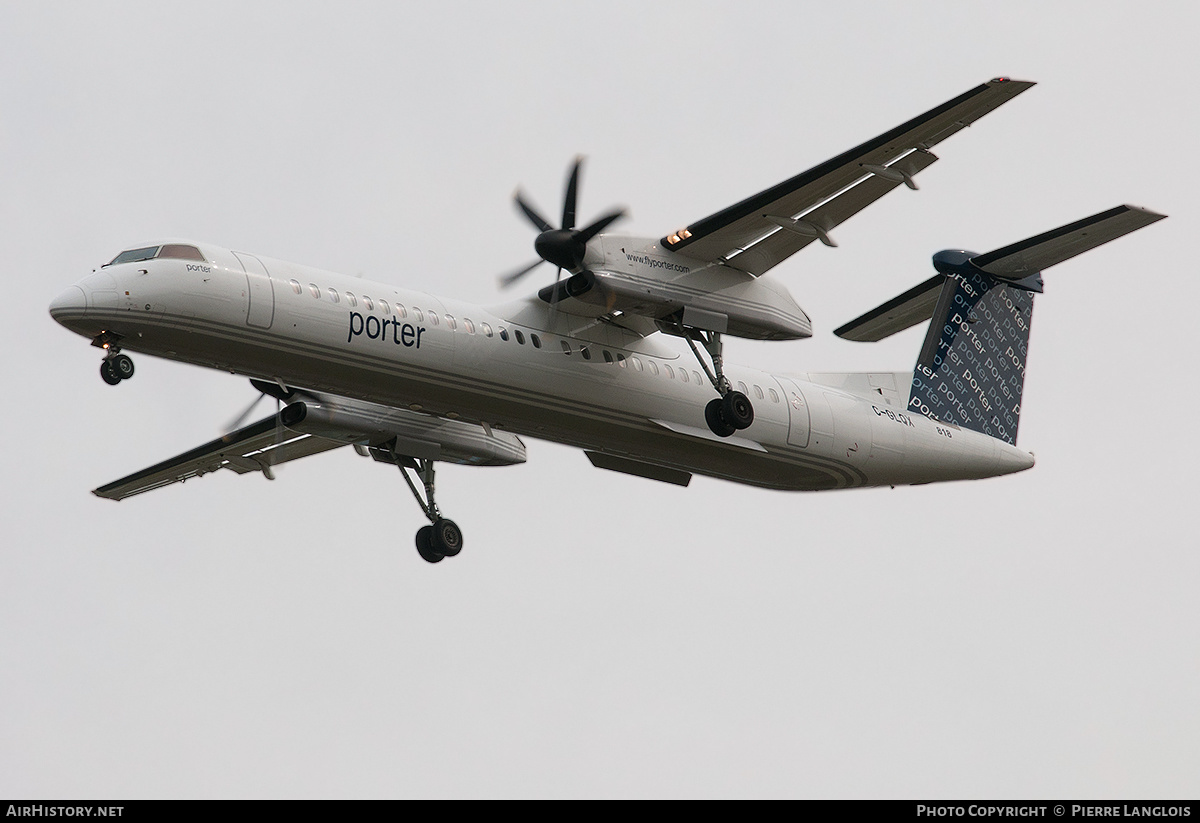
(115, 368)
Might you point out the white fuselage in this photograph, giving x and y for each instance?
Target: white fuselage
(632, 396)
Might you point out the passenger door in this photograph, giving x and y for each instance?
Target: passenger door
(260, 293)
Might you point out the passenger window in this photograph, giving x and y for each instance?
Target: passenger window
(637, 364)
(315, 289)
(504, 334)
(683, 375)
(351, 299)
(417, 315)
(653, 366)
(607, 356)
(621, 360)
(433, 318)
(383, 304)
(535, 340)
(486, 329)
(468, 325)
(367, 304)
(774, 395)
(520, 337)
(566, 347)
(668, 371)
(296, 287)
(400, 310)
(699, 381)
(333, 295)
(583, 350)
(450, 324)
(742, 387)
(758, 392)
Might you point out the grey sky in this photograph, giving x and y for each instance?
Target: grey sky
(600, 635)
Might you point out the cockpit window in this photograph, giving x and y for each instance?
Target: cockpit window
(178, 251)
(134, 255)
(173, 251)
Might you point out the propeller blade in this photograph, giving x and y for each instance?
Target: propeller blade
(508, 279)
(531, 213)
(568, 219)
(241, 418)
(600, 225)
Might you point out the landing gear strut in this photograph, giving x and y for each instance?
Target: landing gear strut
(442, 538)
(732, 410)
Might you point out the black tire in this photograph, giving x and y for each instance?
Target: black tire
(737, 410)
(716, 419)
(108, 373)
(425, 546)
(122, 366)
(447, 537)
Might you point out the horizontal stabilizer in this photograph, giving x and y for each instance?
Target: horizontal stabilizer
(1017, 263)
(1035, 254)
(914, 306)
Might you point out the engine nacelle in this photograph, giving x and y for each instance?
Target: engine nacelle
(409, 434)
(733, 303)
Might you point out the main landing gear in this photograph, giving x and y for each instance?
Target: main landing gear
(442, 538)
(732, 410)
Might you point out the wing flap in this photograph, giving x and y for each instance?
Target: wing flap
(739, 225)
(775, 248)
(256, 447)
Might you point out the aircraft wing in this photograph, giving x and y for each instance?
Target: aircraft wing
(254, 448)
(322, 422)
(763, 230)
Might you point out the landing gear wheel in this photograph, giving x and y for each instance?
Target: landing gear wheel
(425, 546)
(737, 410)
(447, 537)
(108, 373)
(715, 417)
(122, 366)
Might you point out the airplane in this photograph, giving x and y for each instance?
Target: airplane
(593, 360)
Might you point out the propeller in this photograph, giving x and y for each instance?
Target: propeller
(266, 389)
(563, 247)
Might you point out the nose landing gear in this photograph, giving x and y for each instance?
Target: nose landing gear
(115, 368)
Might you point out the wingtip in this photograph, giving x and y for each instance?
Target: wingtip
(1006, 79)
(1151, 213)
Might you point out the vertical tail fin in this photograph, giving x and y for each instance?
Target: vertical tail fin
(971, 370)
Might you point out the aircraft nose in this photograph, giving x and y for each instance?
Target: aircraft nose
(72, 302)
